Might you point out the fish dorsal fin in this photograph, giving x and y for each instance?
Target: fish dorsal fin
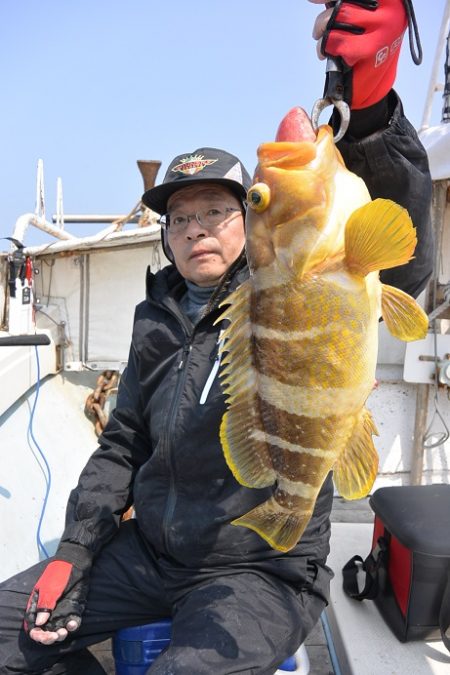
(356, 468)
(378, 236)
(404, 318)
(247, 457)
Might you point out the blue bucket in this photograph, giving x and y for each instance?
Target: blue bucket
(297, 664)
(290, 665)
(136, 648)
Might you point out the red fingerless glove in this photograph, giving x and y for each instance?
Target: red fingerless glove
(367, 35)
(61, 589)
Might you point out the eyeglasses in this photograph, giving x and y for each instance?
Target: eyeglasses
(177, 222)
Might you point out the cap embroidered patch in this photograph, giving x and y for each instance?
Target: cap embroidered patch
(192, 164)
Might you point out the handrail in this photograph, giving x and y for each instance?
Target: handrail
(108, 236)
(33, 340)
(27, 219)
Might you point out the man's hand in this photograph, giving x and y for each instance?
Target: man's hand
(367, 35)
(58, 598)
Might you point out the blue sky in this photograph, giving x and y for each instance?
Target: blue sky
(90, 86)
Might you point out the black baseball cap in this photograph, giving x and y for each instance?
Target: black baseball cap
(205, 165)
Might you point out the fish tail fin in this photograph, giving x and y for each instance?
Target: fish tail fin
(281, 529)
(404, 318)
(378, 236)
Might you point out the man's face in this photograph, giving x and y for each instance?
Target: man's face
(203, 252)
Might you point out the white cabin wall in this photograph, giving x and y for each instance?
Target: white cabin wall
(117, 285)
(393, 406)
(57, 295)
(114, 283)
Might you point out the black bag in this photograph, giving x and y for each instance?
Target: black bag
(408, 569)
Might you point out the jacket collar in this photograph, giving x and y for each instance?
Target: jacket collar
(169, 282)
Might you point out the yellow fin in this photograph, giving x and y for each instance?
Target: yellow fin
(248, 458)
(236, 303)
(379, 235)
(356, 468)
(404, 318)
(280, 528)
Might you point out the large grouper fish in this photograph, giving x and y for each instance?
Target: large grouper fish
(300, 350)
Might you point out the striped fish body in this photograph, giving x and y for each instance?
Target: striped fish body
(314, 347)
(299, 354)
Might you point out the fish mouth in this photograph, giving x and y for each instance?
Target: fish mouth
(287, 154)
(296, 142)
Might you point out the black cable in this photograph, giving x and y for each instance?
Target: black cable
(413, 33)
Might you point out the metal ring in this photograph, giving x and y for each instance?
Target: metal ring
(344, 112)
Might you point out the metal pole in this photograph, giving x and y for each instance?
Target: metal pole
(420, 426)
(27, 219)
(91, 218)
(423, 390)
(432, 87)
(40, 191)
(446, 94)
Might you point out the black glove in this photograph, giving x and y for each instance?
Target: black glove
(61, 589)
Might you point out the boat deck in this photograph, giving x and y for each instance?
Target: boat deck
(363, 643)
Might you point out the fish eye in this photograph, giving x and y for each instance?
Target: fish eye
(258, 197)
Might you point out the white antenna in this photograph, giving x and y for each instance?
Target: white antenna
(59, 204)
(40, 194)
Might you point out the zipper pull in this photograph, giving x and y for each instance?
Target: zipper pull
(214, 371)
(187, 348)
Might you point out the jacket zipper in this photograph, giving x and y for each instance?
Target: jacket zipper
(172, 496)
(181, 370)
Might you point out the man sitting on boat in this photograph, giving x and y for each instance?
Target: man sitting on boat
(237, 605)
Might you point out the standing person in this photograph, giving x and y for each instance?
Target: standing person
(237, 605)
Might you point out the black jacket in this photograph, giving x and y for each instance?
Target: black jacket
(161, 450)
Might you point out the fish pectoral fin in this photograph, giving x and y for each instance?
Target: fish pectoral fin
(356, 469)
(404, 317)
(282, 529)
(378, 236)
(248, 459)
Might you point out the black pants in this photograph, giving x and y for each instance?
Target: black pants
(245, 622)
